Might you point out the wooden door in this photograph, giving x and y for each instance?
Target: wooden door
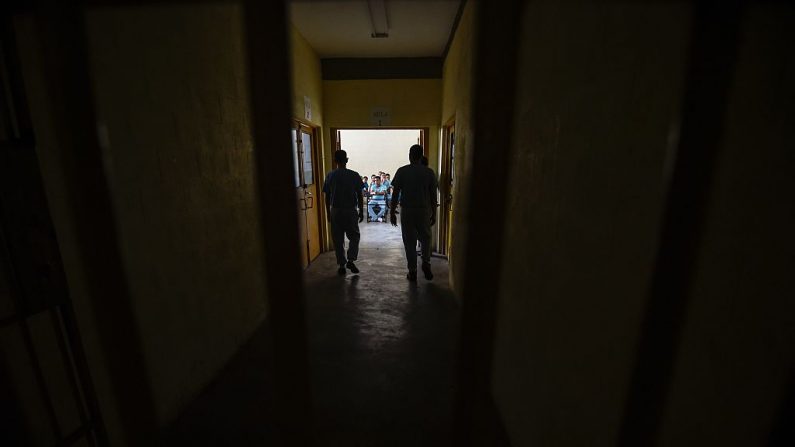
(446, 183)
(305, 174)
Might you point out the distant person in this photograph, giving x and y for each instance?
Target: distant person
(388, 184)
(343, 190)
(377, 201)
(415, 186)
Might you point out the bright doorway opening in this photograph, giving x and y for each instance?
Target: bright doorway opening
(372, 151)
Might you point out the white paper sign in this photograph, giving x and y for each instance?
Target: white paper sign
(380, 116)
(307, 108)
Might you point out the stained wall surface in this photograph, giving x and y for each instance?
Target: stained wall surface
(457, 84)
(306, 79)
(172, 101)
(597, 101)
(736, 365)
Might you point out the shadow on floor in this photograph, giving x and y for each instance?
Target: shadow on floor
(382, 357)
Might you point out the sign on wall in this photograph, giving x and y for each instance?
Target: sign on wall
(380, 116)
(307, 108)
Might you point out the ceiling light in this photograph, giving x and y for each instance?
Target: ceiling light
(378, 19)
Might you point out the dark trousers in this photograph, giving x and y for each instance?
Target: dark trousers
(415, 225)
(345, 222)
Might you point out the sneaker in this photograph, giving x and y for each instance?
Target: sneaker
(412, 276)
(426, 269)
(352, 267)
(341, 271)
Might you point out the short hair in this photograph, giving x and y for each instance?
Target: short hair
(341, 156)
(415, 152)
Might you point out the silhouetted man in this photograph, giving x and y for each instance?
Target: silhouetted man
(414, 185)
(343, 190)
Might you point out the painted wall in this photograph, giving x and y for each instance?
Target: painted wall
(596, 107)
(306, 78)
(737, 362)
(171, 97)
(179, 152)
(413, 103)
(599, 93)
(456, 103)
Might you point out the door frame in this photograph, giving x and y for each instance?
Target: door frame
(335, 143)
(424, 133)
(318, 175)
(445, 186)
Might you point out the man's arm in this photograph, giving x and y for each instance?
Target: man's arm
(393, 205)
(326, 195)
(328, 205)
(432, 191)
(361, 204)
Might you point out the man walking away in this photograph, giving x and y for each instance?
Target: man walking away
(343, 190)
(415, 186)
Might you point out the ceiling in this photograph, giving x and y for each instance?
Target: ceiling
(342, 29)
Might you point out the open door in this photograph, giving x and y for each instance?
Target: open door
(305, 174)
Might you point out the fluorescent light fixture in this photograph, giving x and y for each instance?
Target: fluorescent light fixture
(378, 19)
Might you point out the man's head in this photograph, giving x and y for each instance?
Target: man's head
(415, 153)
(341, 157)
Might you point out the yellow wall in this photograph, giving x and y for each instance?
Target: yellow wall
(413, 103)
(456, 103)
(174, 101)
(597, 120)
(171, 99)
(733, 377)
(306, 78)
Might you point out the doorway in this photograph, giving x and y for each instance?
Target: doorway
(373, 152)
(305, 174)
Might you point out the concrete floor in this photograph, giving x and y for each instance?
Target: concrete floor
(382, 357)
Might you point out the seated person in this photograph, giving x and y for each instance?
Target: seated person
(388, 184)
(377, 198)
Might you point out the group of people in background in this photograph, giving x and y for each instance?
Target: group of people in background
(378, 193)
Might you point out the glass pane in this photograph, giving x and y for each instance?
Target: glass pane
(294, 137)
(306, 140)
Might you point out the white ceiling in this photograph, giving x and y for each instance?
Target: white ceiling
(418, 28)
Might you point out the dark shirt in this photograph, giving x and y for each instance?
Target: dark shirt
(417, 186)
(342, 188)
